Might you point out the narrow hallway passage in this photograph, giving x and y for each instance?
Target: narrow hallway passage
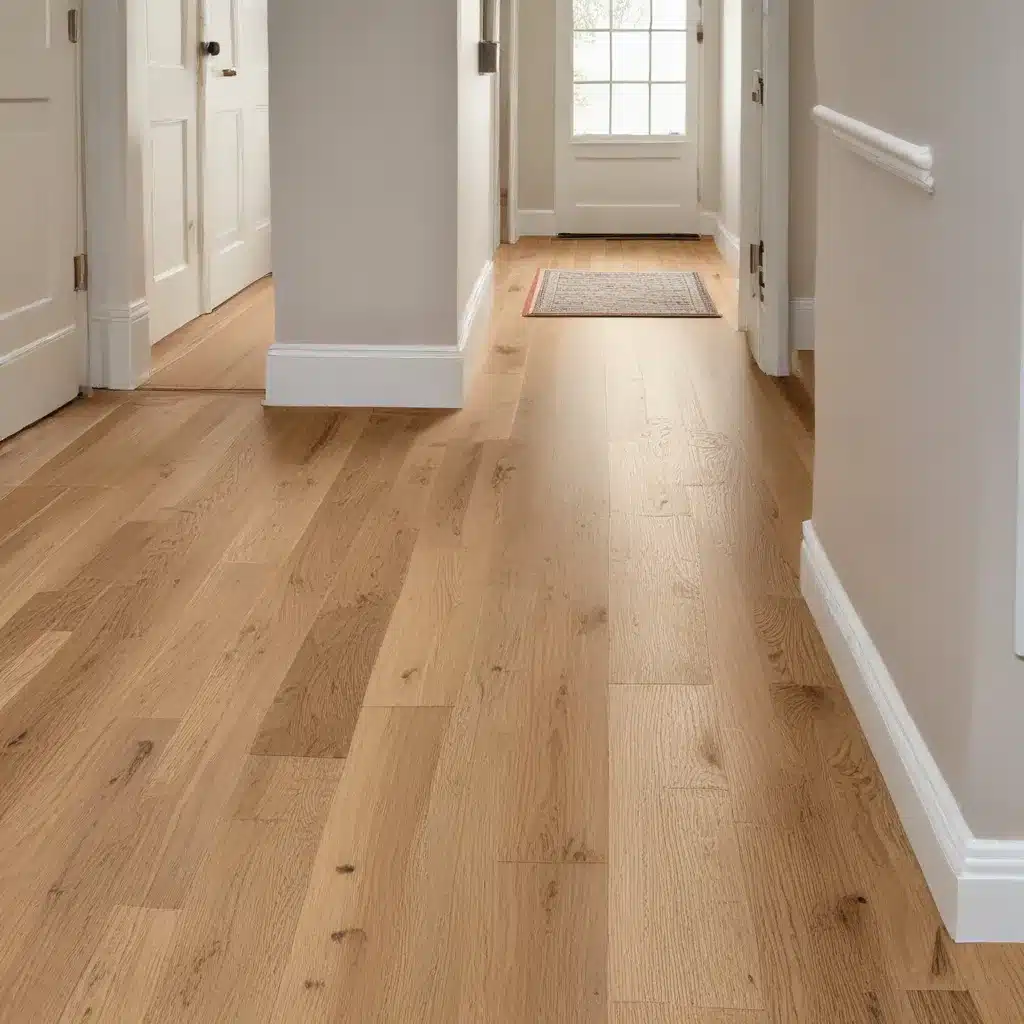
(514, 715)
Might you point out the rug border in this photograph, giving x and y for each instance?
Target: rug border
(531, 298)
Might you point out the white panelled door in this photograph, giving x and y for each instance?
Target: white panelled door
(236, 150)
(42, 317)
(626, 149)
(171, 166)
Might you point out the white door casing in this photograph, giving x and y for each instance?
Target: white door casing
(611, 182)
(236, 149)
(171, 165)
(42, 317)
(764, 185)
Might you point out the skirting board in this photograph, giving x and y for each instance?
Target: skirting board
(119, 347)
(538, 223)
(978, 884)
(728, 245)
(384, 376)
(39, 378)
(801, 324)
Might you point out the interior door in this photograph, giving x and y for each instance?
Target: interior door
(42, 317)
(236, 153)
(627, 102)
(171, 165)
(764, 184)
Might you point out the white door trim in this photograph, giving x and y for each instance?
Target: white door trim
(114, 108)
(764, 180)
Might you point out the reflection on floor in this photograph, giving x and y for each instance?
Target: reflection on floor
(507, 716)
(226, 350)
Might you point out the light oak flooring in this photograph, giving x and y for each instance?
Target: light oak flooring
(511, 716)
(225, 350)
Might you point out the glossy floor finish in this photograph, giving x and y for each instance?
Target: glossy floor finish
(512, 716)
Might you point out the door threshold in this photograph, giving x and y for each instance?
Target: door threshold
(653, 236)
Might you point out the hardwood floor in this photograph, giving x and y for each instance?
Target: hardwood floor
(513, 715)
(225, 350)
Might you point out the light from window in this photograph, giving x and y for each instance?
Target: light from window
(629, 67)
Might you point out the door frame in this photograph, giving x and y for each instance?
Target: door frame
(619, 147)
(764, 183)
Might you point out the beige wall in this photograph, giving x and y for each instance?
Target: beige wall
(537, 104)
(364, 161)
(918, 370)
(803, 149)
(733, 96)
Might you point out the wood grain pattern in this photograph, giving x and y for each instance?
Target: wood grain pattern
(512, 714)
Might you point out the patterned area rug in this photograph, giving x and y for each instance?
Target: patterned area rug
(615, 293)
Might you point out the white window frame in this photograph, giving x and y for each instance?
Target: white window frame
(650, 81)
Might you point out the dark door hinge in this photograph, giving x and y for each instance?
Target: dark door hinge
(73, 24)
(700, 32)
(81, 272)
(757, 95)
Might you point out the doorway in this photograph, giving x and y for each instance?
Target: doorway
(42, 304)
(207, 187)
(627, 102)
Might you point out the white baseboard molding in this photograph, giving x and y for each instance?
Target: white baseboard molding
(38, 378)
(978, 884)
(801, 324)
(384, 376)
(538, 223)
(728, 245)
(707, 222)
(119, 347)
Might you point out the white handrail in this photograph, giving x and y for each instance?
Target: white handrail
(907, 160)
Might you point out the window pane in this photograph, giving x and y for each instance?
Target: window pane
(668, 56)
(630, 110)
(669, 14)
(631, 13)
(631, 56)
(590, 57)
(590, 109)
(668, 109)
(590, 13)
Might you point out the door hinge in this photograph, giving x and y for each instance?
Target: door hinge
(758, 92)
(73, 24)
(700, 31)
(81, 272)
(757, 266)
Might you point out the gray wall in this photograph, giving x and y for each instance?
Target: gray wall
(364, 163)
(537, 104)
(918, 373)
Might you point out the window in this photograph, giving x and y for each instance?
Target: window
(629, 67)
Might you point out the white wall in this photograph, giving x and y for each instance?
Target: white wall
(478, 152)
(918, 369)
(364, 163)
(731, 107)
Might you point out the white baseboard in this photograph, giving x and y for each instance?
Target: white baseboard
(539, 223)
(386, 376)
(119, 346)
(707, 222)
(38, 378)
(978, 884)
(728, 245)
(801, 324)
